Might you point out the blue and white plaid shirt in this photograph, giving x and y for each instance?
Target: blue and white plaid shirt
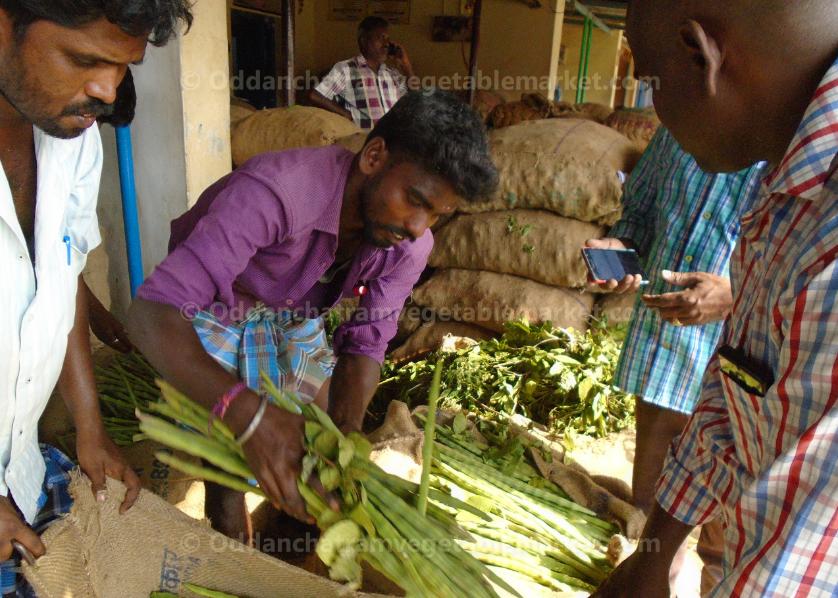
(769, 464)
(682, 219)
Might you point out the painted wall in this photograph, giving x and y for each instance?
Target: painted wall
(181, 145)
(505, 24)
(602, 68)
(204, 64)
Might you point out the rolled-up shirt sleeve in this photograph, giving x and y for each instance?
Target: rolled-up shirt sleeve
(375, 322)
(244, 217)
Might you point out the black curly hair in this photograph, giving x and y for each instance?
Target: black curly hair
(159, 19)
(446, 136)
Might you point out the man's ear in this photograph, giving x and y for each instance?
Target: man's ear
(705, 53)
(374, 156)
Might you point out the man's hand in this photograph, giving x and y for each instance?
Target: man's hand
(630, 284)
(274, 453)
(352, 387)
(99, 458)
(12, 528)
(402, 61)
(108, 329)
(104, 324)
(708, 298)
(639, 575)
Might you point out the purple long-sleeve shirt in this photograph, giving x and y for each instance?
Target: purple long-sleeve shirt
(268, 233)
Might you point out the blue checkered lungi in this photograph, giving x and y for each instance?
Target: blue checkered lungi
(293, 352)
(54, 501)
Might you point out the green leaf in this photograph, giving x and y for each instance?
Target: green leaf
(363, 448)
(309, 463)
(346, 452)
(566, 359)
(360, 516)
(328, 518)
(312, 430)
(330, 478)
(586, 386)
(460, 423)
(326, 444)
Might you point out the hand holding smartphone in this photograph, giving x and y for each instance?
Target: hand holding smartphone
(613, 267)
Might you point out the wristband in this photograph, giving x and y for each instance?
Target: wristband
(223, 404)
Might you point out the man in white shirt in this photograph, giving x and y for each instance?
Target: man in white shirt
(365, 88)
(61, 62)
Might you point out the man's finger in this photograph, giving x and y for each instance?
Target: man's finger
(666, 301)
(681, 279)
(630, 284)
(293, 502)
(30, 540)
(132, 483)
(270, 488)
(97, 481)
(6, 550)
(122, 343)
(330, 498)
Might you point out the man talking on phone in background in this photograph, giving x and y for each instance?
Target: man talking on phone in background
(365, 88)
(677, 217)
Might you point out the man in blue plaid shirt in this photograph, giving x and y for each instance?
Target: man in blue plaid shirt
(684, 224)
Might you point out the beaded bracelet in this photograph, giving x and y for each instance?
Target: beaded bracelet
(219, 410)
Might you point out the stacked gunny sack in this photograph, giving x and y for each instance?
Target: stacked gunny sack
(519, 254)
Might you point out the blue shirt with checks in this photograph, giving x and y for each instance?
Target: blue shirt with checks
(681, 219)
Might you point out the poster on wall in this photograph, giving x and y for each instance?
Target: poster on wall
(347, 10)
(271, 6)
(395, 11)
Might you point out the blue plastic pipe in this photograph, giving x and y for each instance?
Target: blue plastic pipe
(130, 215)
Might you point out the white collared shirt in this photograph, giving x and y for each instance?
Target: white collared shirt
(37, 305)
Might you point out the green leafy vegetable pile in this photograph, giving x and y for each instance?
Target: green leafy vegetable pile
(555, 377)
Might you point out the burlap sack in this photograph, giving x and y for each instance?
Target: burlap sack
(489, 300)
(96, 552)
(410, 319)
(240, 111)
(355, 142)
(639, 125)
(513, 113)
(565, 165)
(533, 244)
(616, 309)
(175, 487)
(591, 110)
(485, 102)
(430, 336)
(287, 128)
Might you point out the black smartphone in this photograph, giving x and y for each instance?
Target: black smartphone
(613, 264)
(392, 49)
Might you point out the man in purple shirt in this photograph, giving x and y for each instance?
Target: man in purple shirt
(271, 247)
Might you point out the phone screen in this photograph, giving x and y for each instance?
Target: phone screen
(616, 264)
